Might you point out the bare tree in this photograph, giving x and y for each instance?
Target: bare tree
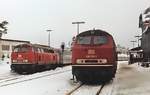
(3, 28)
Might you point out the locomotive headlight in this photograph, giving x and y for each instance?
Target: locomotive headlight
(25, 60)
(14, 61)
(80, 61)
(102, 60)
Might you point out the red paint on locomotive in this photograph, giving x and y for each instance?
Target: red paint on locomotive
(93, 55)
(33, 57)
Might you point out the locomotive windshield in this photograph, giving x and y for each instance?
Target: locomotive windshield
(84, 40)
(88, 40)
(100, 40)
(21, 49)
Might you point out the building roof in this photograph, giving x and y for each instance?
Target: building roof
(136, 50)
(11, 40)
(96, 32)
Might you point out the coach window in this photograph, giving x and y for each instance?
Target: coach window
(100, 40)
(84, 40)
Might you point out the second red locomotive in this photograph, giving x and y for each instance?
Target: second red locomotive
(33, 57)
(94, 56)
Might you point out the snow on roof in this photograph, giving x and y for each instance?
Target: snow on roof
(146, 15)
(14, 40)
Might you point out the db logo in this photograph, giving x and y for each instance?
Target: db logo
(91, 51)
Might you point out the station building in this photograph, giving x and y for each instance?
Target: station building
(7, 45)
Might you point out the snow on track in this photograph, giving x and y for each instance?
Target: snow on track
(21, 79)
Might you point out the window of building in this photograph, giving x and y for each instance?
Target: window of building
(5, 47)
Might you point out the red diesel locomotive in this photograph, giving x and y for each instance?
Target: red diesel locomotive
(94, 56)
(33, 57)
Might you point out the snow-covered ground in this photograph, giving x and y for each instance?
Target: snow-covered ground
(130, 80)
(123, 57)
(53, 82)
(4, 67)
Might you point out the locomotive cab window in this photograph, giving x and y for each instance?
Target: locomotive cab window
(100, 40)
(84, 40)
(22, 49)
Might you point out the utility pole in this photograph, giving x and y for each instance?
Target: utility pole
(78, 25)
(49, 37)
(138, 38)
(133, 43)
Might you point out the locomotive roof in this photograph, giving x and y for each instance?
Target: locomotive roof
(93, 32)
(35, 45)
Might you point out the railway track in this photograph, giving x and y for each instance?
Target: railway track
(78, 90)
(74, 89)
(102, 89)
(10, 79)
(23, 78)
(9, 76)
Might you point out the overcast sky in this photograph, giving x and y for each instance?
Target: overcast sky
(29, 19)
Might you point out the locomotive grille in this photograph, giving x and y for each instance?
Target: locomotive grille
(101, 61)
(91, 61)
